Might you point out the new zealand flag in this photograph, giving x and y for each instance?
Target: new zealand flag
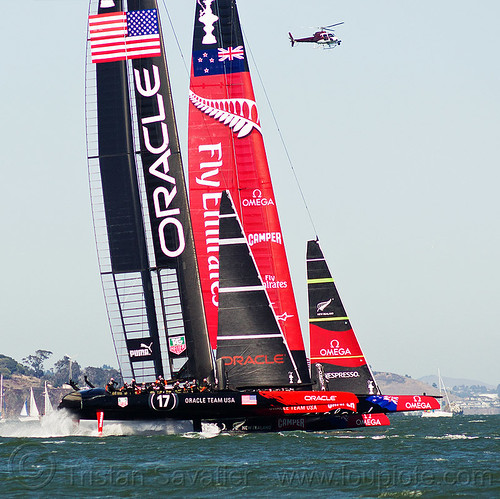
(219, 61)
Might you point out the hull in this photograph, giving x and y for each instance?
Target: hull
(437, 414)
(26, 419)
(212, 406)
(249, 411)
(309, 422)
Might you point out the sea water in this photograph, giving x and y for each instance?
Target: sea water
(416, 457)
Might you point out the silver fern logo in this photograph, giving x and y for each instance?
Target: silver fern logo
(238, 114)
(322, 305)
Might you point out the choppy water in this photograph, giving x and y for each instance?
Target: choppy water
(439, 457)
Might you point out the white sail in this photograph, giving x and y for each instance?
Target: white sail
(24, 410)
(445, 410)
(47, 403)
(33, 408)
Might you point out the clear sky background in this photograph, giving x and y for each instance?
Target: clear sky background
(393, 137)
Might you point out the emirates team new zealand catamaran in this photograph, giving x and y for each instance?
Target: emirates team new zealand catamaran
(199, 295)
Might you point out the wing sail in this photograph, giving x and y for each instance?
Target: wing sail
(226, 151)
(250, 342)
(139, 200)
(337, 362)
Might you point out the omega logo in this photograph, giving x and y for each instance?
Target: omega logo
(335, 350)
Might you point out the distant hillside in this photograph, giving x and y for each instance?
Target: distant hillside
(10, 366)
(394, 384)
(17, 390)
(451, 382)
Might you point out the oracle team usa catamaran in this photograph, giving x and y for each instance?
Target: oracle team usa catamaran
(199, 295)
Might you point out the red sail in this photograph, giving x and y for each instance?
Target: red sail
(336, 358)
(226, 151)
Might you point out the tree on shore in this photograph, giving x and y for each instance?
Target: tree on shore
(10, 366)
(35, 362)
(64, 370)
(100, 376)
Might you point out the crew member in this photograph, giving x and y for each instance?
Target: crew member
(111, 386)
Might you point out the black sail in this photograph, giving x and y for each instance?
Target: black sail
(250, 342)
(141, 216)
(337, 362)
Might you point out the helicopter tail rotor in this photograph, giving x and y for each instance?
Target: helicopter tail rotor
(292, 39)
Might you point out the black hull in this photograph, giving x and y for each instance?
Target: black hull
(230, 410)
(308, 422)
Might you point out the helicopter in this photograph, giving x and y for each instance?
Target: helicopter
(326, 37)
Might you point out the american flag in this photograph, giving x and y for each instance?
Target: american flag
(249, 400)
(124, 35)
(231, 53)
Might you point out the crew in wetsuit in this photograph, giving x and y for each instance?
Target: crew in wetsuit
(111, 386)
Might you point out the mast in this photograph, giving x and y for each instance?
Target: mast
(47, 404)
(443, 387)
(1, 397)
(139, 199)
(337, 362)
(226, 151)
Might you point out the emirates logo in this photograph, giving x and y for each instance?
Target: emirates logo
(238, 114)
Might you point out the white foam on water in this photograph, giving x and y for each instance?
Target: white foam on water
(56, 424)
(452, 437)
(208, 430)
(61, 424)
(346, 436)
(403, 493)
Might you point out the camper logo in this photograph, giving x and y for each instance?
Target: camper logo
(177, 344)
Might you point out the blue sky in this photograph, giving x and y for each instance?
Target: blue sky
(393, 137)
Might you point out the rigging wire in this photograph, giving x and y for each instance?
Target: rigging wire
(175, 37)
(187, 70)
(283, 143)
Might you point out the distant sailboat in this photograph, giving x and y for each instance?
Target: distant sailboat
(33, 413)
(445, 410)
(47, 404)
(2, 408)
(24, 411)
